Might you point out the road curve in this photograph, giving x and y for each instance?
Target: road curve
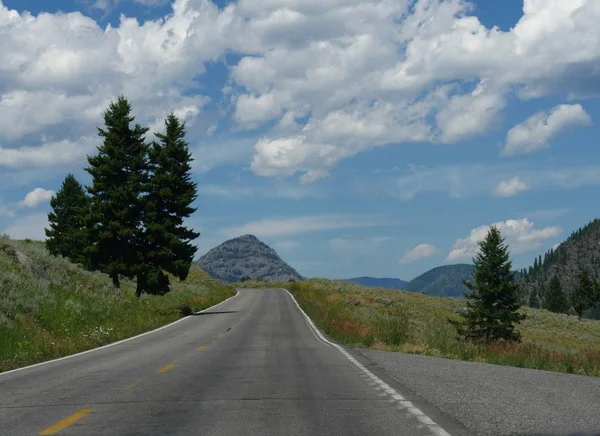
(251, 366)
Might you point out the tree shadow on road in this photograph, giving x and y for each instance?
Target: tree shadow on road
(214, 313)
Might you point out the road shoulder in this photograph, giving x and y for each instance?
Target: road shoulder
(492, 399)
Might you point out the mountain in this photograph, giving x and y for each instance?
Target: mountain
(443, 281)
(581, 250)
(246, 256)
(379, 282)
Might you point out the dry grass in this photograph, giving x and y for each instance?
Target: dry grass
(79, 310)
(390, 320)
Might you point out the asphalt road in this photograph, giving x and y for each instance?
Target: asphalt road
(496, 400)
(251, 366)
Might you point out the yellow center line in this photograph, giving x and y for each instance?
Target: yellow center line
(166, 368)
(61, 425)
(233, 326)
(220, 335)
(132, 385)
(202, 347)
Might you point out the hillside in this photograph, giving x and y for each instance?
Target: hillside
(443, 281)
(581, 250)
(50, 307)
(390, 283)
(246, 256)
(410, 322)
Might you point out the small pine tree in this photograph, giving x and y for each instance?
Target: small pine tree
(492, 304)
(67, 236)
(171, 192)
(556, 299)
(119, 173)
(582, 296)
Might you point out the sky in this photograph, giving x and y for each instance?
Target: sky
(355, 137)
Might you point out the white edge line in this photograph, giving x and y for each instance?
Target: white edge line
(411, 408)
(112, 344)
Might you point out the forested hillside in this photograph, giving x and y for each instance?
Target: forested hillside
(575, 265)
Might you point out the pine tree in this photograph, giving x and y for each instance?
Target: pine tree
(67, 236)
(492, 304)
(170, 194)
(556, 299)
(583, 295)
(534, 299)
(119, 172)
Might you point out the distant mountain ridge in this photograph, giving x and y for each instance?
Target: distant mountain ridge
(246, 256)
(443, 281)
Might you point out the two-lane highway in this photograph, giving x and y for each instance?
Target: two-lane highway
(251, 366)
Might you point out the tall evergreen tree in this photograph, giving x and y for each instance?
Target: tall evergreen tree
(492, 304)
(171, 192)
(119, 172)
(556, 299)
(582, 296)
(66, 235)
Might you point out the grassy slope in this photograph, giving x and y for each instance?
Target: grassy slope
(414, 323)
(80, 310)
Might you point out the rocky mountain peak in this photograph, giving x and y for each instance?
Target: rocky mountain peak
(246, 256)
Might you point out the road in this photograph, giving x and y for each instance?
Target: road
(251, 366)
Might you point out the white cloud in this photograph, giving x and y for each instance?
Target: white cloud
(272, 227)
(48, 154)
(37, 196)
(30, 226)
(421, 251)
(536, 131)
(520, 235)
(371, 246)
(469, 114)
(328, 79)
(510, 187)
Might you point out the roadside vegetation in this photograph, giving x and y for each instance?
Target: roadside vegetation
(488, 326)
(118, 259)
(50, 307)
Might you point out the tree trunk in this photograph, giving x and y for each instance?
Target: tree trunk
(139, 289)
(115, 280)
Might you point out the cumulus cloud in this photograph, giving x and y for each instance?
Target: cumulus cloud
(421, 251)
(326, 79)
(536, 131)
(37, 196)
(47, 154)
(272, 227)
(520, 235)
(510, 187)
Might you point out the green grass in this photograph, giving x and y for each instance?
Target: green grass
(391, 320)
(79, 310)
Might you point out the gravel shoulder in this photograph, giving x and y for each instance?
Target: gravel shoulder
(497, 400)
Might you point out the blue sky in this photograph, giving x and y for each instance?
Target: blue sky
(356, 137)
